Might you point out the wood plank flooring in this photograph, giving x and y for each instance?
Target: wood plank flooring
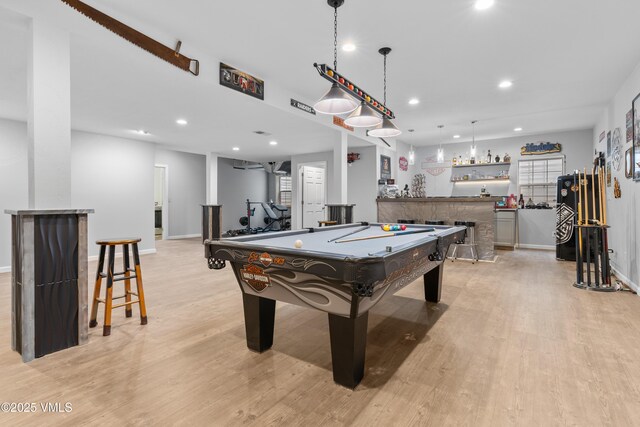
(511, 343)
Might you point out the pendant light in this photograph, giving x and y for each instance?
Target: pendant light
(412, 156)
(440, 150)
(473, 151)
(386, 129)
(363, 117)
(336, 101)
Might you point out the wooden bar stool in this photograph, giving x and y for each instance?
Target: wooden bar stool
(117, 277)
(327, 223)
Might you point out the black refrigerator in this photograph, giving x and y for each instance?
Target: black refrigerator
(567, 212)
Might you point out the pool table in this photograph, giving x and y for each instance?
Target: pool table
(343, 279)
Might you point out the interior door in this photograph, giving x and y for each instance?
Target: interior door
(313, 198)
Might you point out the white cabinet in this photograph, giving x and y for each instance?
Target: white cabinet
(506, 229)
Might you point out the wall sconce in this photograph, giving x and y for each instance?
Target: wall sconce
(352, 157)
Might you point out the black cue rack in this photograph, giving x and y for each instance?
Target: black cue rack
(594, 252)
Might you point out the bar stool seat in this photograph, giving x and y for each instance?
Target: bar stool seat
(327, 223)
(406, 221)
(469, 241)
(434, 222)
(112, 277)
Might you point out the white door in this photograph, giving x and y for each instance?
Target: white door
(313, 209)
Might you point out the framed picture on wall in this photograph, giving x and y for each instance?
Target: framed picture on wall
(628, 163)
(609, 144)
(635, 153)
(385, 167)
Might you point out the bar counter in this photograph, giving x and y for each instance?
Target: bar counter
(448, 209)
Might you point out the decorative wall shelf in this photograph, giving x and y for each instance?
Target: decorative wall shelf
(482, 164)
(505, 178)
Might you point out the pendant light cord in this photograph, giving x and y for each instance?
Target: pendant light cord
(335, 38)
(385, 79)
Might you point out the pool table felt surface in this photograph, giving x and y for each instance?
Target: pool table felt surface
(318, 241)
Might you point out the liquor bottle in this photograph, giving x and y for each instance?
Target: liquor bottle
(489, 159)
(455, 160)
(521, 202)
(460, 160)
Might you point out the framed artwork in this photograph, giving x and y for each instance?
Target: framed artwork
(629, 126)
(609, 144)
(242, 82)
(628, 163)
(635, 152)
(385, 167)
(608, 174)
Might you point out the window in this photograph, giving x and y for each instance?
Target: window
(284, 191)
(537, 179)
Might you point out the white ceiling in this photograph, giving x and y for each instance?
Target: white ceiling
(566, 58)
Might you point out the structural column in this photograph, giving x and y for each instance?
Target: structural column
(49, 116)
(212, 178)
(338, 193)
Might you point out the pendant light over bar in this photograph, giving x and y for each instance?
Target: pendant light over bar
(440, 150)
(386, 129)
(473, 151)
(336, 101)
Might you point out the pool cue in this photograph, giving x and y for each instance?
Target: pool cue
(593, 193)
(605, 238)
(380, 236)
(578, 238)
(366, 227)
(579, 189)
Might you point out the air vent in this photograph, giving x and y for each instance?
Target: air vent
(261, 132)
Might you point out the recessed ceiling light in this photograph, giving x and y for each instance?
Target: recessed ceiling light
(414, 101)
(142, 132)
(483, 4)
(182, 122)
(273, 142)
(349, 47)
(517, 130)
(456, 136)
(236, 149)
(505, 84)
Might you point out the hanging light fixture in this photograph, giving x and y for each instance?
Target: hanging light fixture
(363, 117)
(336, 101)
(386, 129)
(440, 150)
(473, 151)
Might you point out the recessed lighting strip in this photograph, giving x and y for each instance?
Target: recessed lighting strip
(348, 86)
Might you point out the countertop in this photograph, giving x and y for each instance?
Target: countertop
(441, 199)
(48, 211)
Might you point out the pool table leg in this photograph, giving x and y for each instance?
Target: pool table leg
(348, 344)
(259, 316)
(433, 283)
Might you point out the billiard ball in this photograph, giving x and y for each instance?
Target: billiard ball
(298, 244)
(386, 227)
(403, 227)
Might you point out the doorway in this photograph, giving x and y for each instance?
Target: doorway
(313, 195)
(161, 201)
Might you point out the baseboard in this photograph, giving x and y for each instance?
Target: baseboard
(6, 269)
(626, 280)
(186, 236)
(538, 247)
(119, 254)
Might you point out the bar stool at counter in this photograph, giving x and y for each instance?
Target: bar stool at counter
(117, 277)
(469, 241)
(406, 221)
(434, 222)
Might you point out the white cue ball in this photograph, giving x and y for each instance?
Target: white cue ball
(298, 244)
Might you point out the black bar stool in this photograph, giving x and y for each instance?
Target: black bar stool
(469, 241)
(112, 277)
(406, 221)
(434, 222)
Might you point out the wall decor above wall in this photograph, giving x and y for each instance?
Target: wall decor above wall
(338, 121)
(602, 135)
(302, 106)
(629, 122)
(541, 148)
(242, 82)
(609, 144)
(385, 167)
(635, 153)
(403, 163)
(628, 163)
(617, 193)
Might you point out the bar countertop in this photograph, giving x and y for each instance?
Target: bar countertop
(47, 211)
(492, 199)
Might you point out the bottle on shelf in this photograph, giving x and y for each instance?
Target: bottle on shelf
(521, 202)
(460, 160)
(466, 160)
(454, 162)
(489, 159)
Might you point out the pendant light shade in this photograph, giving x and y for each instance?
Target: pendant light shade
(336, 101)
(363, 117)
(385, 130)
(440, 155)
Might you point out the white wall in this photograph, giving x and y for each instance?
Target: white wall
(114, 176)
(623, 213)
(187, 191)
(235, 186)
(13, 181)
(296, 161)
(362, 184)
(576, 147)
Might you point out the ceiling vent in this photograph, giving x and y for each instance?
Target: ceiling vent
(261, 132)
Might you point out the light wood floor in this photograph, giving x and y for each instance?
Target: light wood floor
(511, 343)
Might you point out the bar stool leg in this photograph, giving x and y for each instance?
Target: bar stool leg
(96, 289)
(127, 282)
(136, 263)
(108, 301)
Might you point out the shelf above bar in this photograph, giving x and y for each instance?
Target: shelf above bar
(482, 179)
(482, 164)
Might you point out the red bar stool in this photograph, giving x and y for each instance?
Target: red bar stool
(118, 277)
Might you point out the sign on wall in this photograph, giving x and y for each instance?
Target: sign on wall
(403, 163)
(541, 148)
(242, 82)
(302, 106)
(385, 167)
(340, 122)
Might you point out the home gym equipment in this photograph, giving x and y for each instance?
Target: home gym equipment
(273, 221)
